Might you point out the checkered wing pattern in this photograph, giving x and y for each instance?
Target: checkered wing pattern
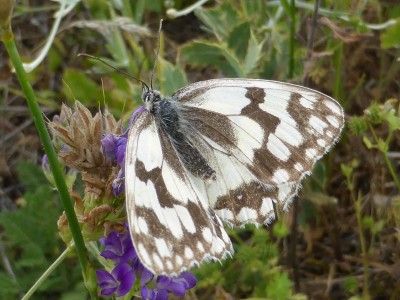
(241, 146)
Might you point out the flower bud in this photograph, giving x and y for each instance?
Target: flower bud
(69, 173)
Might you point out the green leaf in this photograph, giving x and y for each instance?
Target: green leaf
(350, 284)
(367, 222)
(171, 77)
(390, 38)
(393, 120)
(79, 86)
(319, 177)
(31, 176)
(253, 54)
(212, 54)
(280, 287)
(33, 227)
(256, 8)
(8, 287)
(54, 59)
(209, 275)
(346, 170)
(154, 5)
(246, 254)
(280, 229)
(286, 6)
(31, 239)
(260, 236)
(238, 40)
(368, 143)
(382, 146)
(78, 292)
(31, 235)
(220, 20)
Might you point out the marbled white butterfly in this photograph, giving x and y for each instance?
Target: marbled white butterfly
(218, 151)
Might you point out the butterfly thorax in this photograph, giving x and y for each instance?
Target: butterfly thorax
(167, 115)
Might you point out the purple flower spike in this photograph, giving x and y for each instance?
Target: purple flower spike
(120, 280)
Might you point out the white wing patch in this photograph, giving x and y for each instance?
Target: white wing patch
(288, 133)
(149, 152)
(232, 100)
(175, 186)
(317, 124)
(278, 148)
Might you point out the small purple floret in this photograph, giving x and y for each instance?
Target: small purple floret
(108, 145)
(120, 280)
(118, 247)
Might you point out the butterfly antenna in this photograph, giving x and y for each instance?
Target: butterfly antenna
(158, 52)
(114, 68)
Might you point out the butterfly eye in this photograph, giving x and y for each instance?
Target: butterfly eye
(145, 93)
(151, 96)
(145, 96)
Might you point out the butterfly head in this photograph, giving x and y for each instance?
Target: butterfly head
(150, 96)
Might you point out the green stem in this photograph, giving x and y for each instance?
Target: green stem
(47, 273)
(364, 250)
(385, 156)
(9, 43)
(357, 205)
(391, 170)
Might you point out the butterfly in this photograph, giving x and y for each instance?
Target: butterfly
(216, 152)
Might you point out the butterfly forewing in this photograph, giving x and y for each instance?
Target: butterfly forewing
(171, 228)
(237, 146)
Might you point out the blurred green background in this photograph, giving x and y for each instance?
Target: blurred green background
(340, 240)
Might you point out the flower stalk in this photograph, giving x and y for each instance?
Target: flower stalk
(47, 273)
